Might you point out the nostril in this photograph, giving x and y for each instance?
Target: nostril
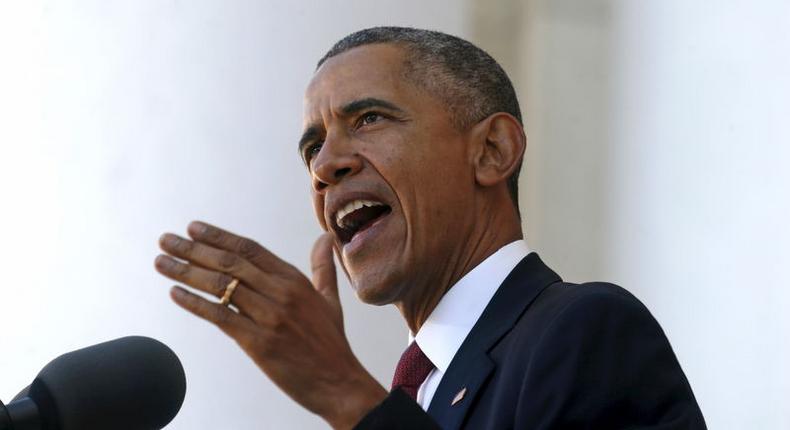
(339, 173)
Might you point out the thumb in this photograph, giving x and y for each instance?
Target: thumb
(322, 264)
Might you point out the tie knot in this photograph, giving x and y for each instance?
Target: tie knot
(413, 367)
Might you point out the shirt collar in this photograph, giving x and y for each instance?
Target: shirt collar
(460, 308)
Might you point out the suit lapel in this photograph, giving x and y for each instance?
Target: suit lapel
(471, 366)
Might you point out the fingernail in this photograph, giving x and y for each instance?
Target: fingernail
(198, 227)
(177, 293)
(164, 261)
(167, 239)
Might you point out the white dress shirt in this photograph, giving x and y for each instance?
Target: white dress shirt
(458, 311)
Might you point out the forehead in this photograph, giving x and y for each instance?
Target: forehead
(361, 72)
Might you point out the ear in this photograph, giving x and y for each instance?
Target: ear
(500, 144)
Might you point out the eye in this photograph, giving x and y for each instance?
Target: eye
(312, 151)
(369, 118)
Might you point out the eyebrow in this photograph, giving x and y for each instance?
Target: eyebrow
(367, 103)
(312, 132)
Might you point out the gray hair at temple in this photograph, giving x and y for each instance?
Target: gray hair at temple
(470, 83)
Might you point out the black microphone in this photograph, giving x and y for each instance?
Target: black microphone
(131, 383)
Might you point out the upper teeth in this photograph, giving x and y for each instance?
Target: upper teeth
(351, 207)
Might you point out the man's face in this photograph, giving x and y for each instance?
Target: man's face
(392, 177)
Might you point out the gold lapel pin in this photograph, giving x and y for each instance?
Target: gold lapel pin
(458, 397)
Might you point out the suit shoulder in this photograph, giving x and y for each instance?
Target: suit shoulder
(579, 317)
(583, 307)
(599, 349)
(589, 294)
(589, 291)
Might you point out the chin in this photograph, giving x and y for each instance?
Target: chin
(376, 289)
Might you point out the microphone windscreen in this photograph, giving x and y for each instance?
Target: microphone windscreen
(131, 383)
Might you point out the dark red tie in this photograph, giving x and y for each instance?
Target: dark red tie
(412, 370)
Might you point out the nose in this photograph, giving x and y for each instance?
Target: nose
(335, 161)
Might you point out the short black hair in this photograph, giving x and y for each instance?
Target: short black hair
(470, 82)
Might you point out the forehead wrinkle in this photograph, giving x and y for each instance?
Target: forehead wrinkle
(359, 68)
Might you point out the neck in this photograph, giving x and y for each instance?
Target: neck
(488, 232)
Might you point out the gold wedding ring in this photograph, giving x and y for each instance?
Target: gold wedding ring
(225, 300)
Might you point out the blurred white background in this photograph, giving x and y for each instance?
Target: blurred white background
(657, 159)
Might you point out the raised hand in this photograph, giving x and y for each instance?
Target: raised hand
(290, 327)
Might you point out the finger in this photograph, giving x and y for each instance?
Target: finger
(209, 281)
(234, 325)
(324, 273)
(247, 248)
(216, 259)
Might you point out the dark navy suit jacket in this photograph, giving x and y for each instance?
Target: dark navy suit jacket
(552, 355)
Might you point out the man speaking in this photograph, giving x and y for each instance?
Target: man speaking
(413, 140)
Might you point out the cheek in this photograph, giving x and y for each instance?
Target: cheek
(425, 176)
(318, 207)
(443, 187)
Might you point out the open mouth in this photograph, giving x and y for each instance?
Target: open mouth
(358, 215)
